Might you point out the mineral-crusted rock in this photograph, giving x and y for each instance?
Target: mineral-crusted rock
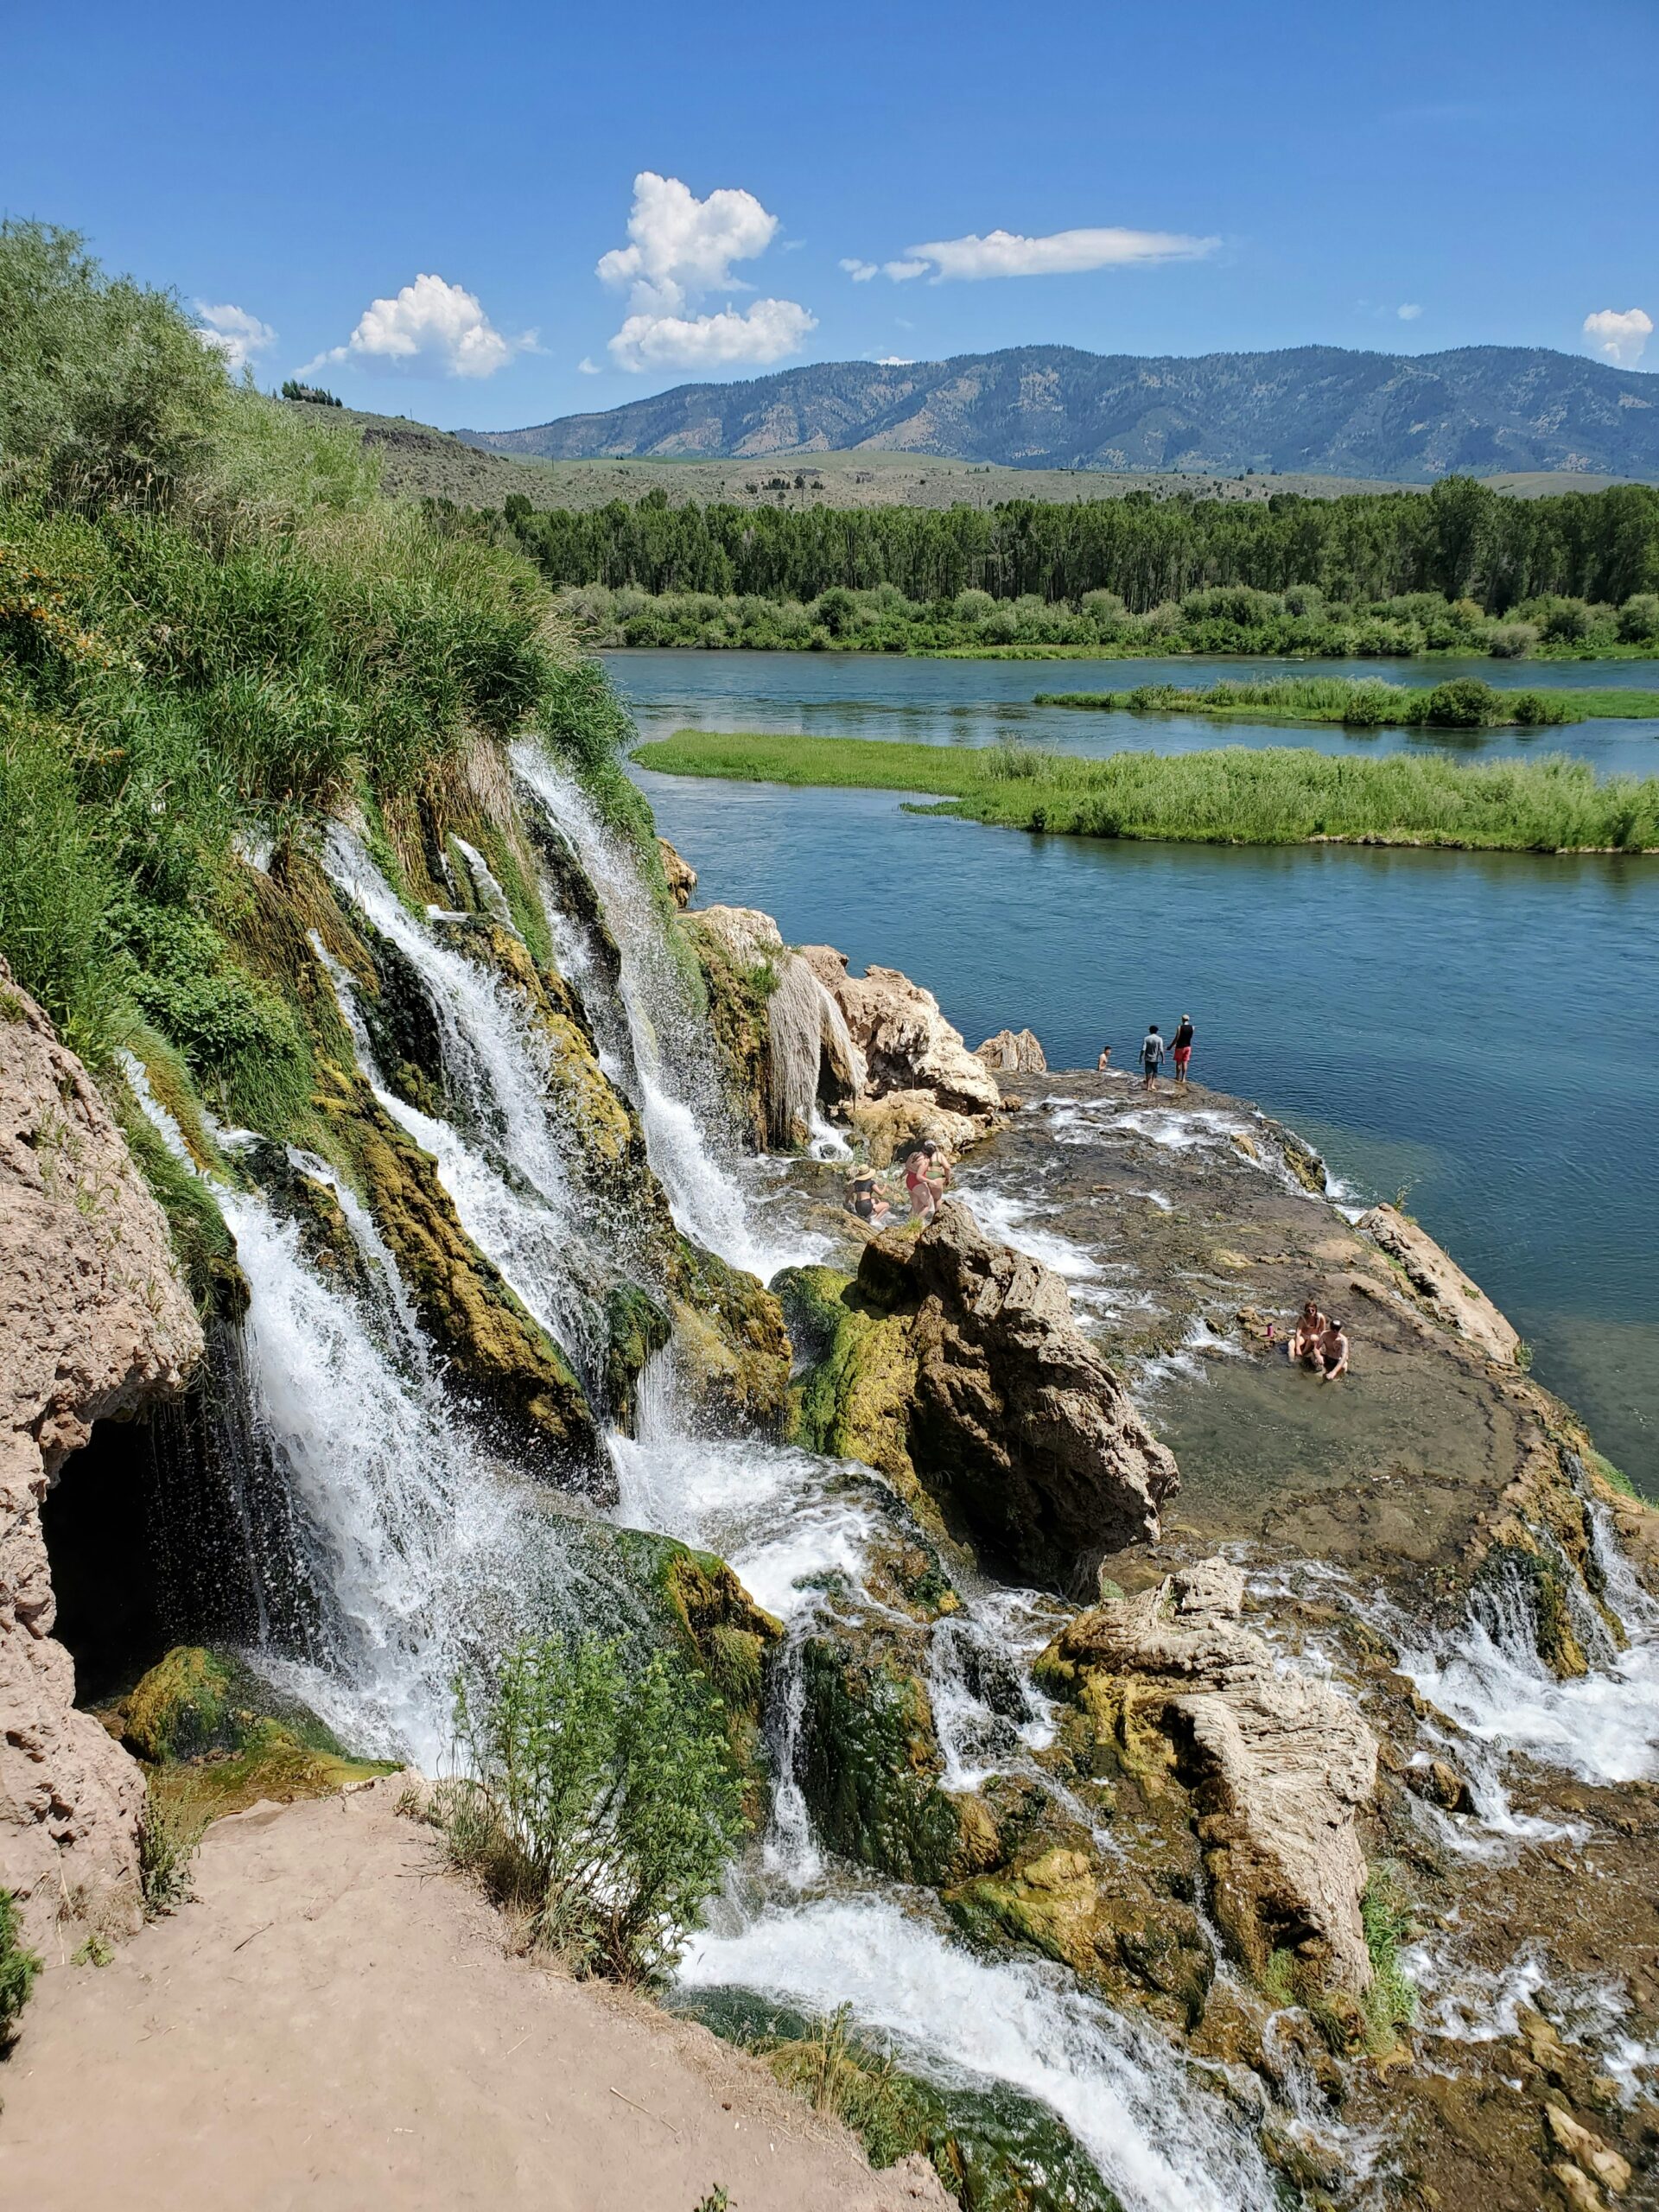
(1441, 1285)
(1279, 1764)
(1013, 1051)
(894, 1124)
(908, 1044)
(1019, 1428)
(678, 873)
(95, 1325)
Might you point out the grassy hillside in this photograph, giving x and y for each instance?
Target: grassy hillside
(215, 631)
(1236, 796)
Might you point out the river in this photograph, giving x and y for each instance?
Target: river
(1480, 1032)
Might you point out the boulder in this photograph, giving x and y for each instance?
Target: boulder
(678, 873)
(1018, 1427)
(1279, 1764)
(1013, 1051)
(908, 1044)
(1439, 1284)
(96, 1327)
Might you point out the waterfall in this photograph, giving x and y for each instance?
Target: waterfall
(663, 1054)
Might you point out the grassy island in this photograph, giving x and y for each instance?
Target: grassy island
(1368, 702)
(1238, 796)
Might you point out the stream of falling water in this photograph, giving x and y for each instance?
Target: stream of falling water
(429, 1553)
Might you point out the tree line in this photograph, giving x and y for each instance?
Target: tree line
(1460, 539)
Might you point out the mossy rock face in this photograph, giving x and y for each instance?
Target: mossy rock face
(271, 1763)
(737, 1015)
(1545, 1579)
(181, 1706)
(730, 1340)
(512, 1368)
(870, 1763)
(636, 1326)
(856, 1399)
(1102, 1920)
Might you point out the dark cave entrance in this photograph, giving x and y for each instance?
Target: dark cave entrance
(177, 1529)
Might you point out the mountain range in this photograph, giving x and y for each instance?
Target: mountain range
(1481, 409)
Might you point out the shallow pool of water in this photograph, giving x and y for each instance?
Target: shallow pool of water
(1480, 1032)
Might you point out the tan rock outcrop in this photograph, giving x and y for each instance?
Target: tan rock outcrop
(1013, 1051)
(1441, 1285)
(95, 1323)
(908, 1044)
(1279, 1764)
(1020, 1430)
(678, 873)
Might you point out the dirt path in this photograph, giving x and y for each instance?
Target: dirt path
(333, 2024)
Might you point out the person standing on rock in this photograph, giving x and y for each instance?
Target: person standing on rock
(1182, 1048)
(1152, 1049)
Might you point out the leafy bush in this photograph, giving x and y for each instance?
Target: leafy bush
(1638, 620)
(18, 1969)
(1465, 704)
(600, 1803)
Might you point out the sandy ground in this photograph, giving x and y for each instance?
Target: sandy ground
(334, 2023)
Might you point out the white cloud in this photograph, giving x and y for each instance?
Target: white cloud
(1007, 254)
(588, 366)
(235, 334)
(1409, 312)
(680, 248)
(431, 326)
(895, 361)
(765, 331)
(1620, 338)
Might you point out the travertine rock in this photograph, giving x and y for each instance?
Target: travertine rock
(1013, 1051)
(680, 876)
(1441, 1285)
(1279, 1764)
(1020, 1429)
(94, 1322)
(908, 1044)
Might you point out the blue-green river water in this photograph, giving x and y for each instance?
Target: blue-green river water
(1480, 1031)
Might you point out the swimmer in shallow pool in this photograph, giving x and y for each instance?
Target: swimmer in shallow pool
(1310, 1325)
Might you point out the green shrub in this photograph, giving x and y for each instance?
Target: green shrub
(600, 1803)
(1463, 703)
(18, 1969)
(1638, 620)
(170, 1829)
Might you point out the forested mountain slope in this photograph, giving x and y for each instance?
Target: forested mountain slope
(1479, 409)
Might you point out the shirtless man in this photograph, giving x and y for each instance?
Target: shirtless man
(1310, 1325)
(1332, 1351)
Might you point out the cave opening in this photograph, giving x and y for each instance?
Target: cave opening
(176, 1528)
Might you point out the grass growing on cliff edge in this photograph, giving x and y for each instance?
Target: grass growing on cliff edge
(1239, 796)
(214, 631)
(1367, 702)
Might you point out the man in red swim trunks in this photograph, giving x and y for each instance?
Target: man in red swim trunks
(1183, 1047)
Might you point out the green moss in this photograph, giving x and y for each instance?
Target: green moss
(1615, 1478)
(182, 1706)
(1390, 2004)
(202, 1243)
(855, 1400)
(871, 1765)
(736, 999)
(636, 1326)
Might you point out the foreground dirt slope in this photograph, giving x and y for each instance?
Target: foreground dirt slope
(333, 2024)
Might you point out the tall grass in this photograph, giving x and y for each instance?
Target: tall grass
(1367, 702)
(1236, 796)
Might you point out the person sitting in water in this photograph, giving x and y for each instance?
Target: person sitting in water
(1310, 1325)
(865, 1198)
(1105, 1060)
(1332, 1351)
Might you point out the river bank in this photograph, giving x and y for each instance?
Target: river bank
(1251, 796)
(1463, 703)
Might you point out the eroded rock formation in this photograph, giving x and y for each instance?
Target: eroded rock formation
(1013, 1051)
(95, 1325)
(1278, 1765)
(1440, 1285)
(952, 1364)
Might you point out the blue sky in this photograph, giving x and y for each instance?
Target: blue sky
(411, 203)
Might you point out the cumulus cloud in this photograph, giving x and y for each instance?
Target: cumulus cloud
(1007, 253)
(1409, 312)
(1620, 338)
(235, 334)
(430, 326)
(895, 361)
(766, 330)
(679, 249)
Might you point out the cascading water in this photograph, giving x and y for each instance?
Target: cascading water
(658, 1043)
